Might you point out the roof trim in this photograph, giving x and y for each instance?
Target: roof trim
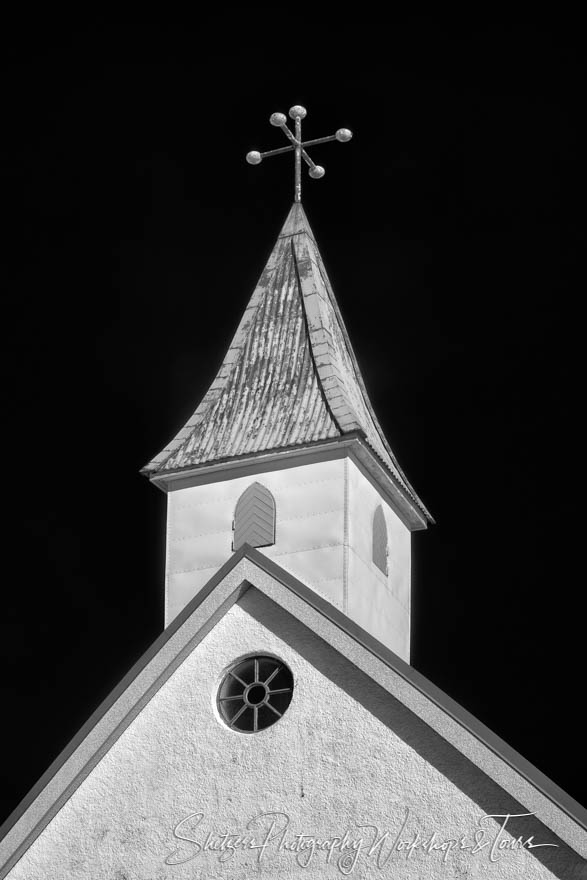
(246, 568)
(353, 445)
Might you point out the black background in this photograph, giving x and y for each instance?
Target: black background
(134, 235)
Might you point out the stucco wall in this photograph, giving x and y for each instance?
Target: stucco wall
(344, 754)
(379, 603)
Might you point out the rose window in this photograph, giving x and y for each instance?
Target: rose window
(255, 693)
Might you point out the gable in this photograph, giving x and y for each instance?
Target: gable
(344, 755)
(365, 734)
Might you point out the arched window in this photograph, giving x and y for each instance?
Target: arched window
(379, 540)
(254, 518)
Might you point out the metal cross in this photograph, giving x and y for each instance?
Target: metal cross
(279, 120)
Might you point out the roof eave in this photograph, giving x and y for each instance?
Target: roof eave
(414, 515)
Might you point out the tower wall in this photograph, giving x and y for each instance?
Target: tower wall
(379, 603)
(309, 531)
(323, 536)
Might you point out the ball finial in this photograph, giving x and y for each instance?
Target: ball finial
(343, 135)
(317, 172)
(254, 157)
(297, 110)
(278, 119)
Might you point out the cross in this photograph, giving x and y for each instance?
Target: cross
(279, 120)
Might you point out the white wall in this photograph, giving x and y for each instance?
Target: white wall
(309, 533)
(379, 603)
(344, 754)
(323, 537)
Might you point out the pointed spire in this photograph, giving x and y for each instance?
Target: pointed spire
(290, 376)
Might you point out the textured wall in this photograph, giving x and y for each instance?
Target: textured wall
(344, 754)
(379, 603)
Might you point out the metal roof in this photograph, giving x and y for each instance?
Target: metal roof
(290, 376)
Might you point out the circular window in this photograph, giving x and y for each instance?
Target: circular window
(255, 693)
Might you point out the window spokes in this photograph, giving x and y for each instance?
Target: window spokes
(246, 701)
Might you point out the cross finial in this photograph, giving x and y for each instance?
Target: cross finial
(279, 120)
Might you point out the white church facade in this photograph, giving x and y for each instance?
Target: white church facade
(275, 728)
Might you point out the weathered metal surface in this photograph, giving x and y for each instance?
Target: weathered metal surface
(267, 393)
(290, 376)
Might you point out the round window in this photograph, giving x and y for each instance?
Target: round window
(255, 693)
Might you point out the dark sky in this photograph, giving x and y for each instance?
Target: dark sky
(134, 233)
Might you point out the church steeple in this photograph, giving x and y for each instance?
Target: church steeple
(289, 378)
(285, 452)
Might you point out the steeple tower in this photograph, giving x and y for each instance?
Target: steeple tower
(285, 453)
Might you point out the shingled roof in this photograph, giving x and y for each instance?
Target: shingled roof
(290, 376)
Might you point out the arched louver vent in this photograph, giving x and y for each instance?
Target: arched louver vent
(380, 540)
(254, 518)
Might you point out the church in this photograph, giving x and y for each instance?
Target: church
(276, 727)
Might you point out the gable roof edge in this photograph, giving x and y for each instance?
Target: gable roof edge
(564, 807)
(245, 568)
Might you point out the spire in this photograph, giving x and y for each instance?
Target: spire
(290, 376)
